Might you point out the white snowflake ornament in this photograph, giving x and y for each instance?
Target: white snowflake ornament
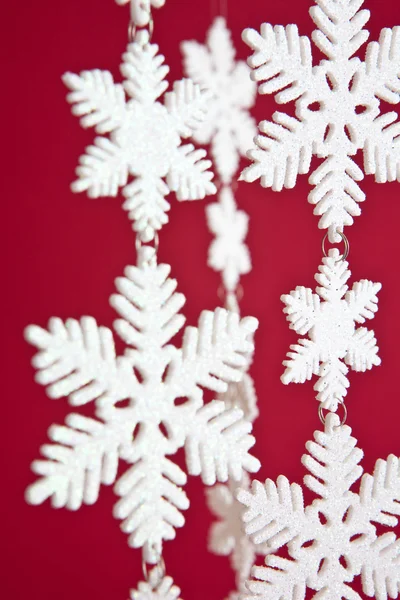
(333, 540)
(338, 110)
(149, 403)
(145, 137)
(156, 588)
(228, 126)
(141, 10)
(329, 318)
(227, 535)
(228, 252)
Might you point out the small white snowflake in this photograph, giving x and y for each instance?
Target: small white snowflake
(228, 126)
(228, 252)
(149, 403)
(333, 540)
(330, 324)
(141, 10)
(227, 536)
(338, 111)
(145, 137)
(154, 589)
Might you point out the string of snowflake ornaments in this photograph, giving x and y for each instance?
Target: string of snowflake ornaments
(330, 542)
(149, 401)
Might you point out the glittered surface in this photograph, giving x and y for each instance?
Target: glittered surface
(338, 112)
(329, 318)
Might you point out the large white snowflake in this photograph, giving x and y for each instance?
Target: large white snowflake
(228, 126)
(329, 318)
(145, 137)
(333, 540)
(149, 403)
(228, 252)
(338, 109)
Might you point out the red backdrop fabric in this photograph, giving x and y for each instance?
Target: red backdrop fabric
(63, 252)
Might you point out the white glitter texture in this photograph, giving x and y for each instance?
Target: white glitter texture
(155, 589)
(329, 318)
(228, 125)
(145, 137)
(333, 540)
(149, 403)
(228, 253)
(338, 111)
(141, 9)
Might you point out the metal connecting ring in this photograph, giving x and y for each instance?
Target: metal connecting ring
(139, 243)
(322, 417)
(133, 30)
(346, 246)
(159, 565)
(223, 293)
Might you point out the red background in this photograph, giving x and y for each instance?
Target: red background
(63, 252)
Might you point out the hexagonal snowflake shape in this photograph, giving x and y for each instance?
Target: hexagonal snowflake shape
(334, 342)
(337, 106)
(145, 137)
(228, 125)
(334, 539)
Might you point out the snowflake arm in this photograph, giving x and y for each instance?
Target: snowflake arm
(145, 73)
(85, 455)
(302, 362)
(382, 65)
(381, 568)
(340, 30)
(332, 383)
(189, 175)
(380, 492)
(336, 194)
(140, 12)
(382, 149)
(362, 353)
(77, 359)
(149, 307)
(217, 444)
(96, 99)
(146, 204)
(281, 61)
(280, 579)
(302, 307)
(151, 501)
(187, 105)
(363, 300)
(102, 170)
(215, 353)
(275, 512)
(281, 154)
(332, 277)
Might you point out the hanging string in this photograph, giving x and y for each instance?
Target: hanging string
(219, 7)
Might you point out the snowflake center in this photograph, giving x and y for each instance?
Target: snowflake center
(333, 329)
(149, 137)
